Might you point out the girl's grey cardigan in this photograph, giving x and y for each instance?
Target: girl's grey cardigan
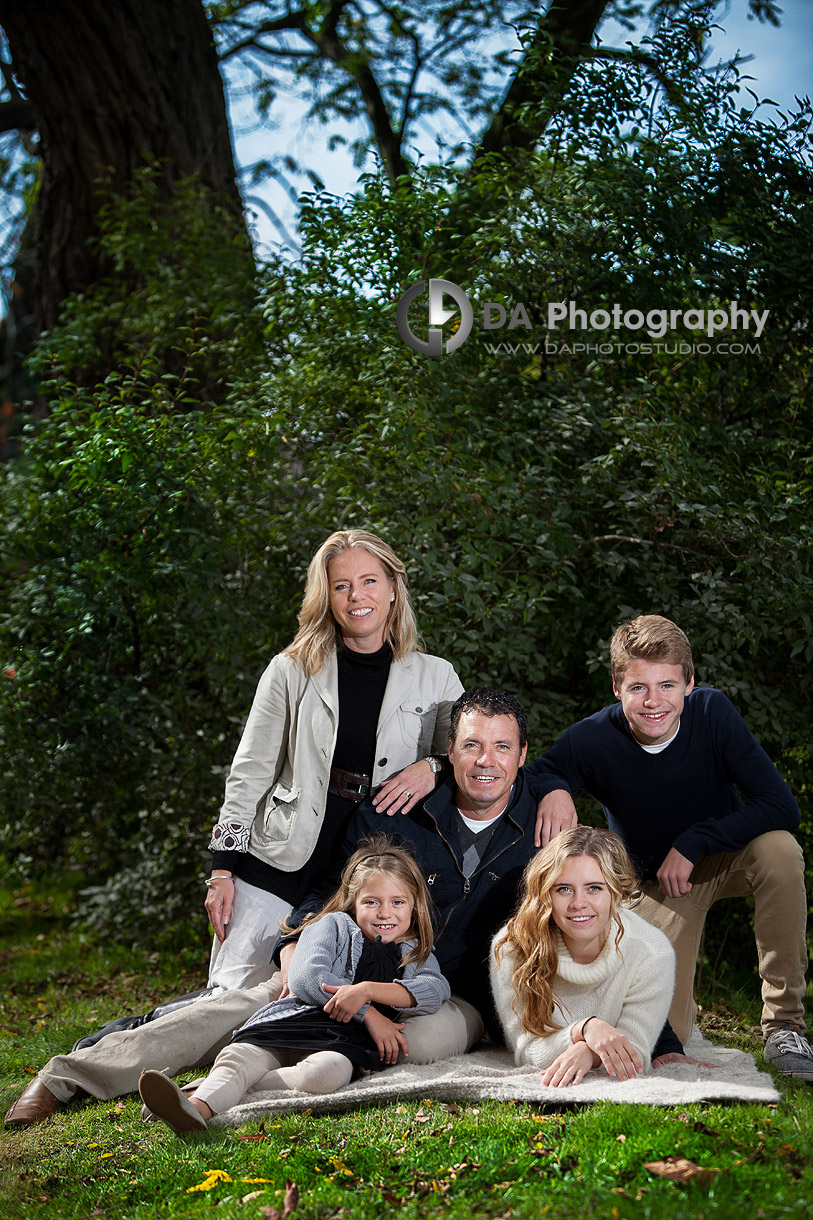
(328, 951)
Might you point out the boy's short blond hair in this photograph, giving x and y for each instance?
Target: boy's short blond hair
(650, 637)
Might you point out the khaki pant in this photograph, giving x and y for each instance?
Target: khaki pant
(771, 868)
(192, 1036)
(185, 1039)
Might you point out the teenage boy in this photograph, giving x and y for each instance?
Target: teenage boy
(704, 813)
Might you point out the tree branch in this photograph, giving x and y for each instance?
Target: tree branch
(291, 21)
(563, 36)
(636, 56)
(357, 67)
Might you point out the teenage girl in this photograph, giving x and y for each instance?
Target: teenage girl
(360, 966)
(578, 981)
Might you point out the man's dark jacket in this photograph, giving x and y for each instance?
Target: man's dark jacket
(469, 910)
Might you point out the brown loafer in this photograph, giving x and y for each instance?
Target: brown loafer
(35, 1105)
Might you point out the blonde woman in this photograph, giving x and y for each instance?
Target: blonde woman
(578, 981)
(352, 707)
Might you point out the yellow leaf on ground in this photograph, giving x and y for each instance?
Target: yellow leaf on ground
(213, 1176)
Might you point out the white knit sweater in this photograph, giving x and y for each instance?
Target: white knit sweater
(629, 987)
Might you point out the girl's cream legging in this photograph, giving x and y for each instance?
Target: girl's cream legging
(242, 1067)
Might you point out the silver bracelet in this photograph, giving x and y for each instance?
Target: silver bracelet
(207, 881)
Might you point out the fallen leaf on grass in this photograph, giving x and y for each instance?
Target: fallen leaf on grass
(255, 1194)
(537, 1145)
(291, 1198)
(702, 1129)
(793, 1160)
(619, 1190)
(679, 1169)
(256, 1139)
(213, 1176)
(289, 1203)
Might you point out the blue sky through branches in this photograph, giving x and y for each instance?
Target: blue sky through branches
(781, 69)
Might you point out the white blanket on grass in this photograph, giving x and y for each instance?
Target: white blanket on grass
(490, 1072)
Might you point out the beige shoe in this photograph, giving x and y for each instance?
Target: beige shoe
(168, 1103)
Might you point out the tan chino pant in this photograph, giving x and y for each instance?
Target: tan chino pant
(771, 868)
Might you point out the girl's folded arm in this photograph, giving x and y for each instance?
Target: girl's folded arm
(427, 987)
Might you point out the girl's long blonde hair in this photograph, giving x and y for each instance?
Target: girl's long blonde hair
(530, 934)
(318, 634)
(378, 854)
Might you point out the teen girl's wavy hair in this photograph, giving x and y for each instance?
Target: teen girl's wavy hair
(318, 634)
(379, 854)
(530, 934)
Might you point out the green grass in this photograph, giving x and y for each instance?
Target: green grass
(408, 1160)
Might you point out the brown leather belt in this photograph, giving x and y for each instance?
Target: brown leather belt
(348, 784)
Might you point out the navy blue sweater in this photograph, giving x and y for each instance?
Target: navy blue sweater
(713, 789)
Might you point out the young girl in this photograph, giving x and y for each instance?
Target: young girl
(579, 982)
(359, 965)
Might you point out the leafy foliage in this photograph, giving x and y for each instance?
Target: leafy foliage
(129, 565)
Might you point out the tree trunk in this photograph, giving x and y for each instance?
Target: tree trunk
(112, 84)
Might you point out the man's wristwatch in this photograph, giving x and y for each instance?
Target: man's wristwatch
(434, 763)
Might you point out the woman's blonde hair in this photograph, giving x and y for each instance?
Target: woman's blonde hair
(318, 634)
(530, 934)
(378, 854)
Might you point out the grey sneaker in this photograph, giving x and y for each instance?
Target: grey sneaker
(789, 1052)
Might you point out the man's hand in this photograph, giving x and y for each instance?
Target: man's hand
(345, 1001)
(386, 1034)
(285, 955)
(674, 874)
(399, 794)
(556, 812)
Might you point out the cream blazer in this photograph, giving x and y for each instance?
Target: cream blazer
(277, 788)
